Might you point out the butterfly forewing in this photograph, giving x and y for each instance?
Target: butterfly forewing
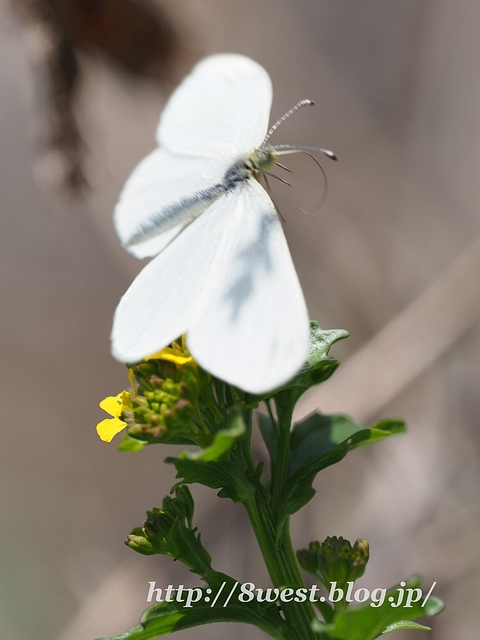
(221, 109)
(162, 196)
(160, 303)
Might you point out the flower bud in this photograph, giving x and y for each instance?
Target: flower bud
(162, 407)
(335, 560)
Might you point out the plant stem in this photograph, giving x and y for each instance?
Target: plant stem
(281, 565)
(279, 557)
(279, 471)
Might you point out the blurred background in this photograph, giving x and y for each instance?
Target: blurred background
(393, 256)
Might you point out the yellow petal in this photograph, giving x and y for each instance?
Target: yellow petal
(116, 405)
(124, 398)
(171, 355)
(131, 379)
(111, 406)
(109, 428)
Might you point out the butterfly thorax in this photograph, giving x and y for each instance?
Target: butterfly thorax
(263, 158)
(251, 166)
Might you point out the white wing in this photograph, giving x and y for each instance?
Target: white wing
(229, 282)
(159, 305)
(217, 114)
(221, 108)
(162, 196)
(251, 325)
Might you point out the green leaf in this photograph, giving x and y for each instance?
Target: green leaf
(316, 443)
(205, 467)
(321, 341)
(126, 635)
(367, 622)
(318, 434)
(228, 476)
(131, 444)
(223, 441)
(405, 624)
(318, 367)
(168, 617)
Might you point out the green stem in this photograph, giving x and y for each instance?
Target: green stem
(281, 565)
(279, 470)
(280, 558)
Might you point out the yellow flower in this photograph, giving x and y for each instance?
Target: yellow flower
(178, 354)
(115, 406)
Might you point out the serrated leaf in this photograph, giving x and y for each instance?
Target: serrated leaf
(405, 624)
(126, 635)
(318, 367)
(223, 441)
(217, 474)
(320, 342)
(167, 617)
(316, 443)
(205, 467)
(367, 623)
(318, 434)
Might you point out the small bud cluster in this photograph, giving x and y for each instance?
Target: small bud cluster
(169, 531)
(156, 533)
(335, 560)
(165, 401)
(163, 407)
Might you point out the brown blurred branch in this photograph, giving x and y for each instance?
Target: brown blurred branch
(135, 36)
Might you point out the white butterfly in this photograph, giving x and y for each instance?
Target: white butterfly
(224, 274)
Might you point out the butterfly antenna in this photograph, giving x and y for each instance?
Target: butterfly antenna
(284, 149)
(325, 182)
(275, 126)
